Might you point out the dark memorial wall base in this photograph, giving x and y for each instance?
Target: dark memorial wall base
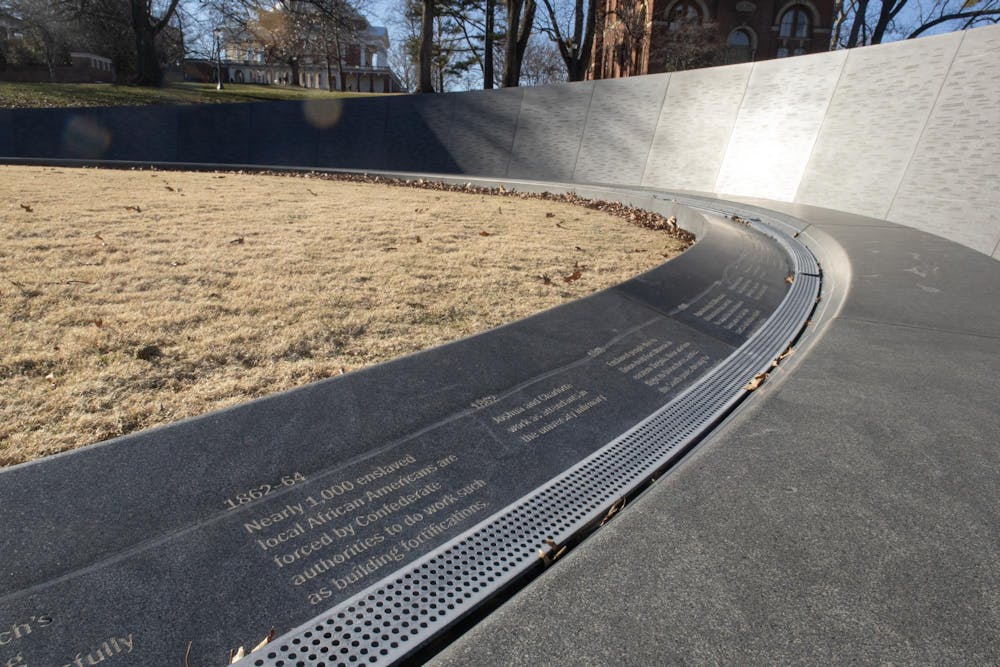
(215, 529)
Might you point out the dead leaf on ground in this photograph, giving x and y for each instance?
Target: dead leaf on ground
(237, 240)
(573, 276)
(756, 381)
(264, 642)
(169, 188)
(148, 352)
(27, 208)
(485, 233)
(133, 208)
(418, 239)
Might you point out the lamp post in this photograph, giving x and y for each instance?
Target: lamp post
(218, 57)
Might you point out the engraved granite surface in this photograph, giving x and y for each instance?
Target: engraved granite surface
(617, 135)
(871, 128)
(952, 184)
(777, 125)
(694, 127)
(549, 130)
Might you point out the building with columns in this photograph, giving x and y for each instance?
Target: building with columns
(649, 36)
(364, 65)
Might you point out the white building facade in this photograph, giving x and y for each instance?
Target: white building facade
(364, 65)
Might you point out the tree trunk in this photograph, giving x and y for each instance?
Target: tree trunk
(887, 13)
(524, 34)
(511, 67)
(147, 64)
(145, 29)
(488, 55)
(839, 14)
(858, 21)
(426, 85)
(520, 19)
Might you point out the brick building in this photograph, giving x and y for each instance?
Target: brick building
(648, 36)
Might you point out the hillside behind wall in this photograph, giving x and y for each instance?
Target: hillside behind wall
(908, 132)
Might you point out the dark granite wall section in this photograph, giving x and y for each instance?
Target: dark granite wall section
(42, 133)
(214, 133)
(549, 131)
(416, 133)
(140, 134)
(281, 134)
(351, 133)
(482, 134)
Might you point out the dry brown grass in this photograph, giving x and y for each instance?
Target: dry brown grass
(225, 287)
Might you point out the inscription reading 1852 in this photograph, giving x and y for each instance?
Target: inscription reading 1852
(547, 411)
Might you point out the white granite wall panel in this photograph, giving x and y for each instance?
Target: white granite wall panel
(952, 185)
(694, 127)
(875, 118)
(620, 125)
(778, 124)
(549, 130)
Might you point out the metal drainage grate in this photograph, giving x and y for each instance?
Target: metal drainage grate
(390, 620)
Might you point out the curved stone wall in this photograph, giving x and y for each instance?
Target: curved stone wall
(908, 132)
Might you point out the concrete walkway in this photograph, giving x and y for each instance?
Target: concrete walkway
(849, 514)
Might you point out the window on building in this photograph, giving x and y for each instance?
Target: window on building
(795, 23)
(683, 13)
(739, 46)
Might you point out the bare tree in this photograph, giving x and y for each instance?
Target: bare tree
(575, 43)
(542, 64)
(877, 21)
